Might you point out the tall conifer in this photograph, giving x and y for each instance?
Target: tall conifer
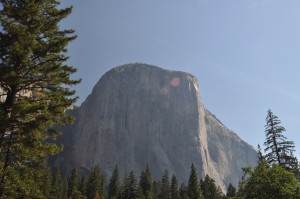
(146, 183)
(209, 189)
(174, 188)
(34, 89)
(130, 186)
(156, 189)
(194, 190)
(278, 149)
(165, 186)
(95, 183)
(114, 187)
(183, 191)
(73, 185)
(230, 191)
(57, 188)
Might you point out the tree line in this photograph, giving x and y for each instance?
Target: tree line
(277, 174)
(93, 186)
(35, 91)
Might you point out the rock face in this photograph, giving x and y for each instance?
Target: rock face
(139, 114)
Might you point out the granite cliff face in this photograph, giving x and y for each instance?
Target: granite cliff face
(139, 114)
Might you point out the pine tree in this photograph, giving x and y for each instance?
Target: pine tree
(114, 187)
(95, 183)
(174, 188)
(57, 185)
(139, 193)
(125, 187)
(183, 191)
(82, 186)
(34, 89)
(65, 189)
(278, 149)
(194, 190)
(146, 182)
(259, 153)
(230, 191)
(46, 183)
(165, 186)
(133, 185)
(130, 186)
(156, 189)
(73, 185)
(209, 189)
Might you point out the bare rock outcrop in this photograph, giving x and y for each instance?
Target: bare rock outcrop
(139, 114)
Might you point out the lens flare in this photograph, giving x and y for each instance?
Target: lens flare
(175, 81)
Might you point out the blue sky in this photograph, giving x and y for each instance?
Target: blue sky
(245, 53)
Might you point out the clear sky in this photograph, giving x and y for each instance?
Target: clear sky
(245, 53)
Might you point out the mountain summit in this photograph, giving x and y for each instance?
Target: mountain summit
(139, 114)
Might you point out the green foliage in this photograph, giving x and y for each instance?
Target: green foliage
(139, 193)
(183, 191)
(114, 187)
(279, 149)
(230, 191)
(35, 91)
(47, 184)
(156, 189)
(165, 186)
(57, 186)
(130, 186)
(95, 183)
(73, 185)
(268, 182)
(209, 189)
(146, 183)
(194, 190)
(82, 185)
(174, 188)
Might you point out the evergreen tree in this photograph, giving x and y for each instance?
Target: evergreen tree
(125, 187)
(139, 193)
(278, 149)
(156, 189)
(174, 188)
(73, 185)
(65, 193)
(95, 183)
(259, 153)
(114, 187)
(133, 185)
(45, 186)
(230, 191)
(209, 189)
(57, 186)
(146, 182)
(130, 186)
(82, 186)
(165, 186)
(34, 90)
(183, 191)
(194, 190)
